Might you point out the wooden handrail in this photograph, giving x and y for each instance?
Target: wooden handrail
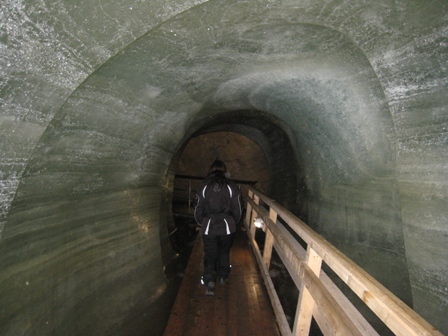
(319, 297)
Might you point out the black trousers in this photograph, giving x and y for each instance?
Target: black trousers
(217, 256)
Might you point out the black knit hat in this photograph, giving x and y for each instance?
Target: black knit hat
(218, 165)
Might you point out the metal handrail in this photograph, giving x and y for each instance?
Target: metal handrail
(319, 297)
(191, 192)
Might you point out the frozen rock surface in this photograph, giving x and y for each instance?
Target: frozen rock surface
(346, 99)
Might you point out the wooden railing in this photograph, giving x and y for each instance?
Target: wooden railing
(319, 297)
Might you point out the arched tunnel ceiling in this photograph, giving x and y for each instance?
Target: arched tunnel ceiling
(96, 99)
(187, 68)
(193, 53)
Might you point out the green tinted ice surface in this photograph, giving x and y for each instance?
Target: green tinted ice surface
(97, 98)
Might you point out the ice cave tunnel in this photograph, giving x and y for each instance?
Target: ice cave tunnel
(347, 100)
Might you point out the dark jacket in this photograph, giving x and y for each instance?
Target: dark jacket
(218, 208)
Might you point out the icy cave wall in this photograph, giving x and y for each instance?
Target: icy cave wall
(97, 98)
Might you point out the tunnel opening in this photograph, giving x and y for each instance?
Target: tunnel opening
(244, 159)
(255, 147)
(268, 154)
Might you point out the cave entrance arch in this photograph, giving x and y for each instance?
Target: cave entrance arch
(244, 159)
(255, 146)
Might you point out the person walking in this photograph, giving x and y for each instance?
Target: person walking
(217, 213)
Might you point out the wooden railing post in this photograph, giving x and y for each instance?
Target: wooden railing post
(249, 210)
(254, 214)
(305, 306)
(269, 241)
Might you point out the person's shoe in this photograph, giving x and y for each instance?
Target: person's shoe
(222, 281)
(210, 290)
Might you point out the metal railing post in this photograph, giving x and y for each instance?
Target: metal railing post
(189, 193)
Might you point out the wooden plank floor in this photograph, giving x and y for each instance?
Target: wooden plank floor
(240, 307)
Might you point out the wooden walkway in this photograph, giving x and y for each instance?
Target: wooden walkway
(240, 307)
